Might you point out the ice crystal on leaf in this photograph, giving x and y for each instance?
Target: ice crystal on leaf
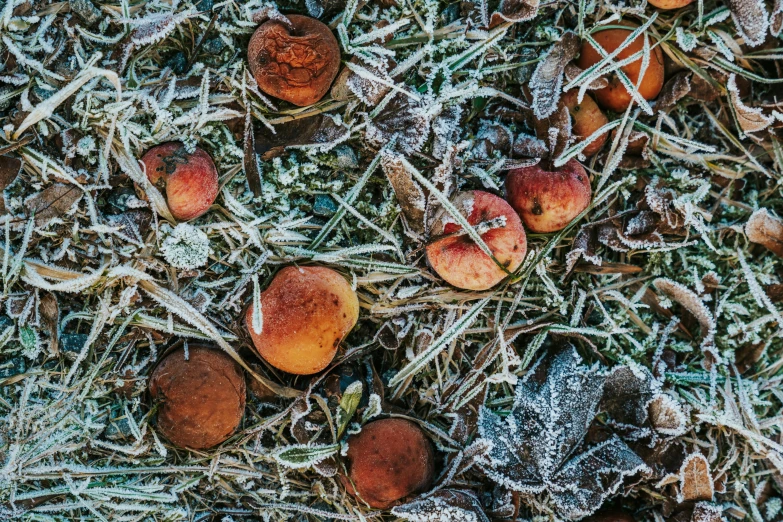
(402, 117)
(539, 448)
(547, 79)
(443, 506)
(186, 247)
(751, 20)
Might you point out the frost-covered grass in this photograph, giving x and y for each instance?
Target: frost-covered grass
(656, 281)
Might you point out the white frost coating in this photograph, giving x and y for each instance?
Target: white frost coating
(186, 247)
(536, 448)
(750, 119)
(751, 20)
(443, 506)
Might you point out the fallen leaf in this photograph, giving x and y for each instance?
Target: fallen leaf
(751, 20)
(695, 479)
(547, 80)
(9, 170)
(750, 119)
(250, 159)
(444, 505)
(766, 229)
(539, 447)
(514, 11)
(50, 314)
(54, 201)
(666, 416)
(675, 89)
(707, 512)
(409, 194)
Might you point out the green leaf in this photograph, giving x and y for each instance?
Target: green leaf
(28, 337)
(348, 405)
(304, 455)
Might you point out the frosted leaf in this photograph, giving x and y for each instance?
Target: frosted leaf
(446, 129)
(299, 456)
(409, 194)
(403, 117)
(583, 247)
(535, 448)
(708, 512)
(691, 302)
(675, 89)
(776, 21)
(547, 80)
(186, 247)
(149, 30)
(443, 506)
(750, 119)
(686, 40)
(751, 20)
(666, 416)
(626, 394)
(695, 479)
(514, 11)
(592, 477)
(766, 229)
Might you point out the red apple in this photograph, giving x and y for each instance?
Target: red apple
(548, 200)
(188, 180)
(459, 260)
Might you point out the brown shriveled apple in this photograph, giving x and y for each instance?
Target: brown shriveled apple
(307, 311)
(189, 180)
(202, 397)
(459, 260)
(389, 460)
(587, 117)
(669, 4)
(615, 96)
(296, 66)
(548, 200)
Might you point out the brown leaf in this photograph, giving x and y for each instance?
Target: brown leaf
(250, 160)
(571, 71)
(706, 512)
(547, 80)
(751, 20)
(409, 194)
(514, 11)
(303, 131)
(750, 119)
(607, 268)
(695, 479)
(555, 131)
(675, 89)
(50, 315)
(766, 229)
(747, 355)
(52, 202)
(775, 293)
(666, 415)
(9, 170)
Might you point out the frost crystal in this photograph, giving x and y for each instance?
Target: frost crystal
(443, 506)
(186, 247)
(540, 446)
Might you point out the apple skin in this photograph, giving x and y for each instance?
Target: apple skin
(298, 68)
(307, 311)
(203, 396)
(189, 181)
(615, 97)
(459, 260)
(669, 4)
(588, 118)
(389, 460)
(547, 200)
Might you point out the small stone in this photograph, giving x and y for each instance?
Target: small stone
(86, 10)
(324, 205)
(11, 367)
(73, 342)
